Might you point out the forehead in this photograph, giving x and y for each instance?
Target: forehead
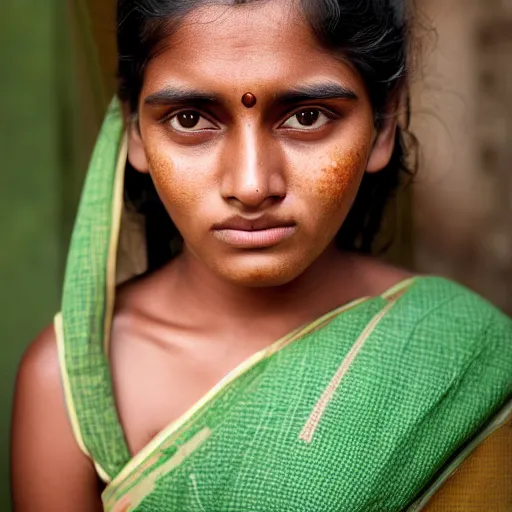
(263, 43)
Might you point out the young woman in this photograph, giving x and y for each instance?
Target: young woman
(258, 358)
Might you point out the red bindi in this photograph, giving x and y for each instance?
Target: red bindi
(249, 100)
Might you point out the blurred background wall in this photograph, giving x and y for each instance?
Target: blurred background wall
(55, 85)
(463, 118)
(31, 188)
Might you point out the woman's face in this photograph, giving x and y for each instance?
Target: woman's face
(257, 193)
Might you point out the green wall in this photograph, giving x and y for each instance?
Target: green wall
(49, 117)
(32, 224)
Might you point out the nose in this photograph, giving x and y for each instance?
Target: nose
(253, 176)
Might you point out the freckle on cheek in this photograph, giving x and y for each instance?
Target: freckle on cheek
(166, 182)
(161, 168)
(340, 177)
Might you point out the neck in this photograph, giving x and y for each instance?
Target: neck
(326, 284)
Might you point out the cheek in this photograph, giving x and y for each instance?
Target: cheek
(178, 189)
(340, 180)
(335, 184)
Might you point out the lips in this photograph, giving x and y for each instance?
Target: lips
(260, 223)
(264, 231)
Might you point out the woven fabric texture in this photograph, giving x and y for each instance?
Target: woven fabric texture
(84, 305)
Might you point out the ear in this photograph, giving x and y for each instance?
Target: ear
(136, 150)
(383, 145)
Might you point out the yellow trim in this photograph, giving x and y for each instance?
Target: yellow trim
(137, 494)
(117, 208)
(399, 288)
(101, 472)
(68, 396)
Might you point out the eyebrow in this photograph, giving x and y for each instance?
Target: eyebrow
(177, 95)
(321, 91)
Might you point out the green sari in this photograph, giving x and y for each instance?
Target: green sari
(372, 407)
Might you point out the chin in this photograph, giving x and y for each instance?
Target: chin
(260, 271)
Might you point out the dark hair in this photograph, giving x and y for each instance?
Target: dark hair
(373, 34)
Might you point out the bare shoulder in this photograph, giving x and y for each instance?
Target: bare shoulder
(38, 377)
(41, 362)
(378, 276)
(49, 472)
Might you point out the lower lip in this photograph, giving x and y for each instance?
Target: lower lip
(254, 239)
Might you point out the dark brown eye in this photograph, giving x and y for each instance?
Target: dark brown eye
(188, 119)
(191, 121)
(307, 117)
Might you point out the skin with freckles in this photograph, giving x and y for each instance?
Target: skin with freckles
(258, 195)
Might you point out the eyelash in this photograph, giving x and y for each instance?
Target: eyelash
(330, 114)
(170, 115)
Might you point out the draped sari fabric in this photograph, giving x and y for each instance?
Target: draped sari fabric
(400, 402)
